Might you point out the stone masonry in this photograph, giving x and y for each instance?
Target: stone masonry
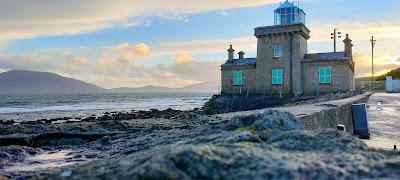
(300, 70)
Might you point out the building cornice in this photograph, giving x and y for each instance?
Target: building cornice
(267, 31)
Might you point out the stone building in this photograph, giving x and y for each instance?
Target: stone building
(283, 65)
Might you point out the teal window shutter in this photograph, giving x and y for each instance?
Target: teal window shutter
(280, 76)
(274, 77)
(321, 75)
(325, 75)
(277, 76)
(237, 78)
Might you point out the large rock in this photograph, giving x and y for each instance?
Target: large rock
(16, 153)
(247, 160)
(321, 140)
(267, 123)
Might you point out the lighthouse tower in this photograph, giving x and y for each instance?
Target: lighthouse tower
(281, 48)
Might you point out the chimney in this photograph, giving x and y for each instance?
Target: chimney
(241, 55)
(230, 53)
(348, 47)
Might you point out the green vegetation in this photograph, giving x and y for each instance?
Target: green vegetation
(395, 73)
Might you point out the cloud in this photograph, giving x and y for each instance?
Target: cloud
(49, 17)
(139, 49)
(396, 58)
(116, 71)
(246, 43)
(183, 57)
(382, 64)
(130, 52)
(357, 30)
(224, 13)
(30, 61)
(185, 67)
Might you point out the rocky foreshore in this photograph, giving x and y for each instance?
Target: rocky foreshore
(112, 115)
(268, 145)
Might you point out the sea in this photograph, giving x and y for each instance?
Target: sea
(30, 107)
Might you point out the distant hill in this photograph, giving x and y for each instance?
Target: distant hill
(24, 81)
(368, 78)
(142, 89)
(211, 86)
(395, 73)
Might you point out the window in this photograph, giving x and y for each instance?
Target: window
(277, 51)
(237, 78)
(325, 75)
(277, 76)
(285, 16)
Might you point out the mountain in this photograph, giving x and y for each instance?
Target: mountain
(211, 86)
(395, 73)
(143, 89)
(368, 78)
(24, 81)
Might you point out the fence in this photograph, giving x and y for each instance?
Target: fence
(392, 85)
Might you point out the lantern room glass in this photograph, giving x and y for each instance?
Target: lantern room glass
(289, 15)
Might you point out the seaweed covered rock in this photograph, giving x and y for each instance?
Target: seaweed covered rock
(267, 123)
(193, 119)
(245, 160)
(243, 136)
(321, 140)
(16, 153)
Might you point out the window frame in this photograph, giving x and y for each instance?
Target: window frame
(322, 77)
(278, 79)
(276, 49)
(237, 81)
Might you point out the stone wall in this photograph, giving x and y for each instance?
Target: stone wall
(342, 77)
(248, 79)
(321, 115)
(333, 113)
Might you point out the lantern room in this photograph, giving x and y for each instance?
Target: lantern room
(288, 13)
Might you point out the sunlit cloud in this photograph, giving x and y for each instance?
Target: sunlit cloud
(357, 30)
(183, 57)
(131, 52)
(48, 17)
(247, 43)
(117, 71)
(382, 64)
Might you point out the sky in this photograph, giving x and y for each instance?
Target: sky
(174, 43)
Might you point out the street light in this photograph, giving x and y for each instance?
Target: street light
(335, 35)
(373, 45)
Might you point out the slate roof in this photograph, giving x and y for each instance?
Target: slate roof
(326, 56)
(241, 62)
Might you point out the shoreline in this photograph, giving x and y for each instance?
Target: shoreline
(87, 147)
(110, 115)
(128, 148)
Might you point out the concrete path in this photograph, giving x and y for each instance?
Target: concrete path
(384, 120)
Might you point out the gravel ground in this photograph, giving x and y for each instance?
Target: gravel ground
(384, 120)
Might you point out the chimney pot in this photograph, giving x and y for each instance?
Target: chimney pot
(241, 55)
(230, 53)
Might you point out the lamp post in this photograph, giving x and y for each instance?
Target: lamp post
(373, 44)
(335, 35)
